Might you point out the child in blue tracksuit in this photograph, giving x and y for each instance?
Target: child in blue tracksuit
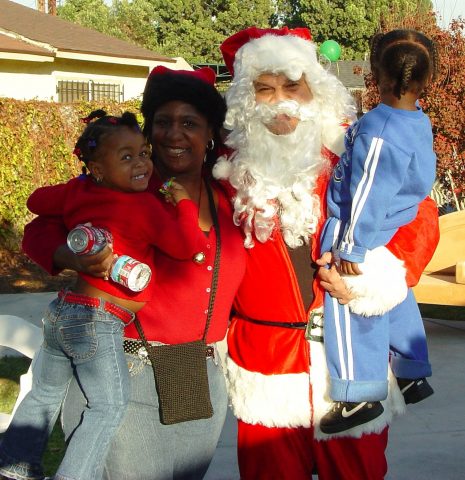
(388, 168)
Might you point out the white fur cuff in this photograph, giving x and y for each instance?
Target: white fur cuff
(382, 285)
(283, 400)
(270, 400)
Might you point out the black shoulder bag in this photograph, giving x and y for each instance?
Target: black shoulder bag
(180, 371)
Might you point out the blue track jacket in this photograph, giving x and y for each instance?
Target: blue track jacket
(389, 166)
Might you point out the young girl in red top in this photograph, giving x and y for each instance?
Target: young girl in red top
(83, 327)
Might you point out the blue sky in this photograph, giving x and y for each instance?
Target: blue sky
(448, 9)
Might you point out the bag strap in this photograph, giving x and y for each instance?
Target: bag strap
(216, 263)
(216, 268)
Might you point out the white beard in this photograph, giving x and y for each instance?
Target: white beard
(274, 175)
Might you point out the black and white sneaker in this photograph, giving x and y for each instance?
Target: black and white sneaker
(346, 415)
(414, 390)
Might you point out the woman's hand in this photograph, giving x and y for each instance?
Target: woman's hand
(330, 279)
(97, 265)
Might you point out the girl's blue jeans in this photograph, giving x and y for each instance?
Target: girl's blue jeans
(145, 449)
(85, 344)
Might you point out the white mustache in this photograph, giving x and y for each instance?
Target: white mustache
(267, 112)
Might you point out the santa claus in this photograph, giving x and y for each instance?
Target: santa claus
(286, 116)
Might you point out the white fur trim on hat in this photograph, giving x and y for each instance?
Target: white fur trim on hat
(286, 54)
(382, 285)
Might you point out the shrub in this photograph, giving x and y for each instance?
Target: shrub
(36, 143)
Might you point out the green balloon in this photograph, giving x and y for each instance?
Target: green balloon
(331, 50)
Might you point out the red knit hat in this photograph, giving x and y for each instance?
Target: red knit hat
(232, 44)
(205, 74)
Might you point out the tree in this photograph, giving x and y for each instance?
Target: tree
(444, 100)
(351, 23)
(235, 15)
(185, 28)
(93, 14)
(135, 21)
(193, 29)
(130, 20)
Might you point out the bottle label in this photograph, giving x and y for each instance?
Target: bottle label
(131, 273)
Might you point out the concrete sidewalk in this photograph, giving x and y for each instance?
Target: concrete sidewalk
(426, 444)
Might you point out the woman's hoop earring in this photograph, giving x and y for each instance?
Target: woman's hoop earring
(211, 144)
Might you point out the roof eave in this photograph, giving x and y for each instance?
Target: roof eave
(26, 57)
(109, 58)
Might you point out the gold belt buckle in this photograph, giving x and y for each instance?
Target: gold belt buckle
(314, 329)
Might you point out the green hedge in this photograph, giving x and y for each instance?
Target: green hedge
(36, 143)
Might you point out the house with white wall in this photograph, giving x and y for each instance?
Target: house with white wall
(44, 57)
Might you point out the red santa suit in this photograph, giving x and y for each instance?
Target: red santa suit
(278, 378)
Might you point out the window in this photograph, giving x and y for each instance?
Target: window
(73, 91)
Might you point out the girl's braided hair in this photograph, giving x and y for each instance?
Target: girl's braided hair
(96, 130)
(407, 58)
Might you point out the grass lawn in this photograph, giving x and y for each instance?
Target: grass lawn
(11, 368)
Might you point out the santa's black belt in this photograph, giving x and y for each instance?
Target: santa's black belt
(271, 323)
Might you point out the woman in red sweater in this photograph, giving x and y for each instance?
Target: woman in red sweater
(183, 115)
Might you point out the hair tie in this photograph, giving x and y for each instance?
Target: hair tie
(92, 143)
(113, 120)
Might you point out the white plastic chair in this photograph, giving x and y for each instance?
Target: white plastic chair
(26, 338)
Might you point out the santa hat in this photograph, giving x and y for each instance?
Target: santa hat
(254, 51)
(232, 44)
(204, 74)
